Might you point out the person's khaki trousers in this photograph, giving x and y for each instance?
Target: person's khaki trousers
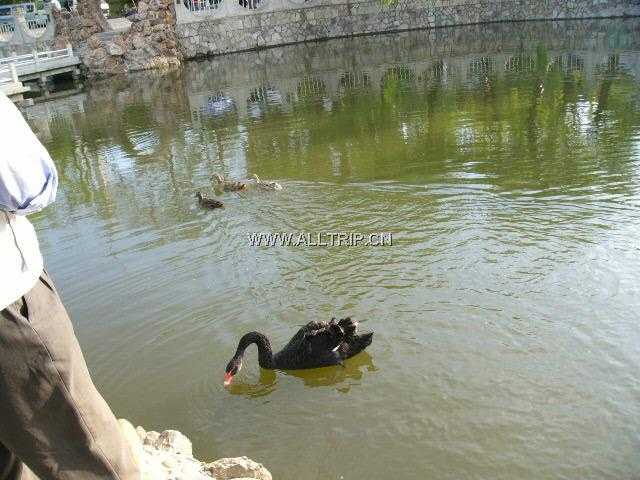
(53, 421)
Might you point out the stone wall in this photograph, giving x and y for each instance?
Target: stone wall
(234, 28)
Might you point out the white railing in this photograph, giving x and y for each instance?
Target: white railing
(250, 4)
(198, 6)
(8, 74)
(7, 28)
(38, 24)
(27, 64)
(26, 30)
(5, 76)
(37, 57)
(188, 11)
(204, 6)
(6, 31)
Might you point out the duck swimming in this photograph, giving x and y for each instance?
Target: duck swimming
(228, 185)
(265, 184)
(207, 202)
(317, 344)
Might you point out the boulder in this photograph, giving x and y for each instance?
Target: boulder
(142, 433)
(95, 58)
(129, 432)
(151, 438)
(114, 49)
(94, 41)
(174, 441)
(138, 42)
(238, 467)
(136, 18)
(168, 456)
(160, 27)
(132, 438)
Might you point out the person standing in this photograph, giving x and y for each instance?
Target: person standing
(54, 424)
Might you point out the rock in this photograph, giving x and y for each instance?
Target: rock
(158, 37)
(160, 27)
(138, 42)
(94, 41)
(114, 49)
(129, 432)
(175, 441)
(95, 58)
(131, 435)
(152, 438)
(170, 462)
(167, 456)
(137, 27)
(153, 471)
(238, 467)
(142, 434)
(149, 43)
(156, 21)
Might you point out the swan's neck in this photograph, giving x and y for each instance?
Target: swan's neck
(265, 355)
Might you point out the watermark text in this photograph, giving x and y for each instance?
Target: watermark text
(320, 239)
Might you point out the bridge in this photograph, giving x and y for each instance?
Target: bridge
(16, 70)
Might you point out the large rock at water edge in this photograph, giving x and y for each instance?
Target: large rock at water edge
(238, 467)
(168, 456)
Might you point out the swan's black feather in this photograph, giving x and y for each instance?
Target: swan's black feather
(349, 326)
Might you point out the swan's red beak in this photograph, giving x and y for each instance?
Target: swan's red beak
(227, 379)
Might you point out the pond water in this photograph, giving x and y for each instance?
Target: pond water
(505, 161)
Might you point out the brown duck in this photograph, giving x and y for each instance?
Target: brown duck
(208, 202)
(228, 185)
(266, 184)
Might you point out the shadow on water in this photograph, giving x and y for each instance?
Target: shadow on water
(342, 377)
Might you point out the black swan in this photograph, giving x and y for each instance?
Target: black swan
(317, 344)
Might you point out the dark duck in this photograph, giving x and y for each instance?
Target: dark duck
(208, 202)
(317, 344)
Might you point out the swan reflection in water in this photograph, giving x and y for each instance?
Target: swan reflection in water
(342, 377)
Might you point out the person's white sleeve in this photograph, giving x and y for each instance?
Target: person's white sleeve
(28, 177)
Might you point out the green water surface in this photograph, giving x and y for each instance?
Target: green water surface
(505, 161)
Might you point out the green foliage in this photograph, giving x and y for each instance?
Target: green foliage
(117, 8)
